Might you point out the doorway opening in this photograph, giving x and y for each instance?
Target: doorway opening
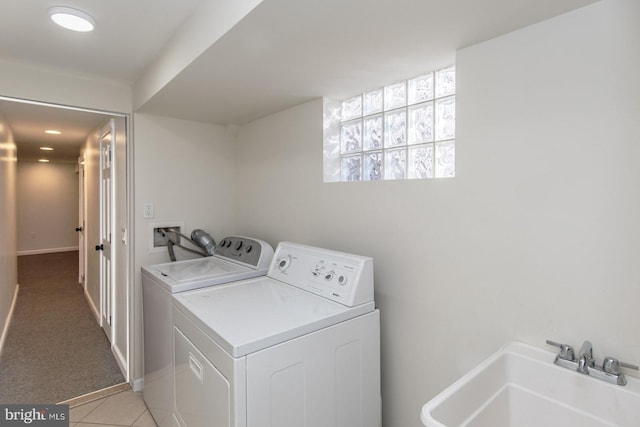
(102, 211)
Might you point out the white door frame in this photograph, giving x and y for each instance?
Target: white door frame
(107, 232)
(82, 247)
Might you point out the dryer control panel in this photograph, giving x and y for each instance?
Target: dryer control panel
(338, 276)
(252, 252)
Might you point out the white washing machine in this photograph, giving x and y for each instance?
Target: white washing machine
(299, 347)
(235, 258)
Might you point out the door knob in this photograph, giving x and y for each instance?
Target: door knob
(99, 247)
(78, 228)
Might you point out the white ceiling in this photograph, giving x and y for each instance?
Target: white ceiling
(286, 52)
(128, 35)
(283, 53)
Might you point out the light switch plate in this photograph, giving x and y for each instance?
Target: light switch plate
(147, 210)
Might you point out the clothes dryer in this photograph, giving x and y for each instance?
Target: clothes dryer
(235, 258)
(299, 347)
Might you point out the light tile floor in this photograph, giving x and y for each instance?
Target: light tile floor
(122, 409)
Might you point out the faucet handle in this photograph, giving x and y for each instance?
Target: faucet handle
(566, 351)
(611, 365)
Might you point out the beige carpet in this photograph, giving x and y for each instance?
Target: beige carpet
(55, 350)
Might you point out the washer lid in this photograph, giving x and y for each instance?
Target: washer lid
(196, 269)
(254, 314)
(196, 274)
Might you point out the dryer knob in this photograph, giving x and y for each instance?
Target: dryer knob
(239, 245)
(248, 248)
(284, 263)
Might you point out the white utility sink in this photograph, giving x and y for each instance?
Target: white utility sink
(520, 386)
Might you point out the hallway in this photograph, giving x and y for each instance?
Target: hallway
(55, 349)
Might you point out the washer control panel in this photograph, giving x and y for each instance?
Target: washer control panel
(252, 252)
(341, 277)
(332, 273)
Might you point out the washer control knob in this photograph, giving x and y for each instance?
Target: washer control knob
(328, 276)
(224, 242)
(239, 245)
(284, 263)
(248, 248)
(342, 280)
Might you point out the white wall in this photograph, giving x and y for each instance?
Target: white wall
(535, 238)
(187, 170)
(47, 207)
(8, 256)
(210, 21)
(47, 85)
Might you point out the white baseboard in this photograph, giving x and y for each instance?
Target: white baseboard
(7, 321)
(121, 361)
(138, 384)
(93, 307)
(48, 251)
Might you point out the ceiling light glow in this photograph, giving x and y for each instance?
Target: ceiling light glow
(46, 148)
(43, 160)
(53, 132)
(72, 19)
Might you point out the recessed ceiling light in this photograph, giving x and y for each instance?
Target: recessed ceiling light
(43, 160)
(53, 132)
(46, 148)
(72, 19)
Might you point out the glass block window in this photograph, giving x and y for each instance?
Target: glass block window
(405, 130)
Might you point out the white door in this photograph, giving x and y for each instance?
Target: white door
(106, 229)
(81, 223)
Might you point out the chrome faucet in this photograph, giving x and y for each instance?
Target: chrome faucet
(586, 364)
(585, 358)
